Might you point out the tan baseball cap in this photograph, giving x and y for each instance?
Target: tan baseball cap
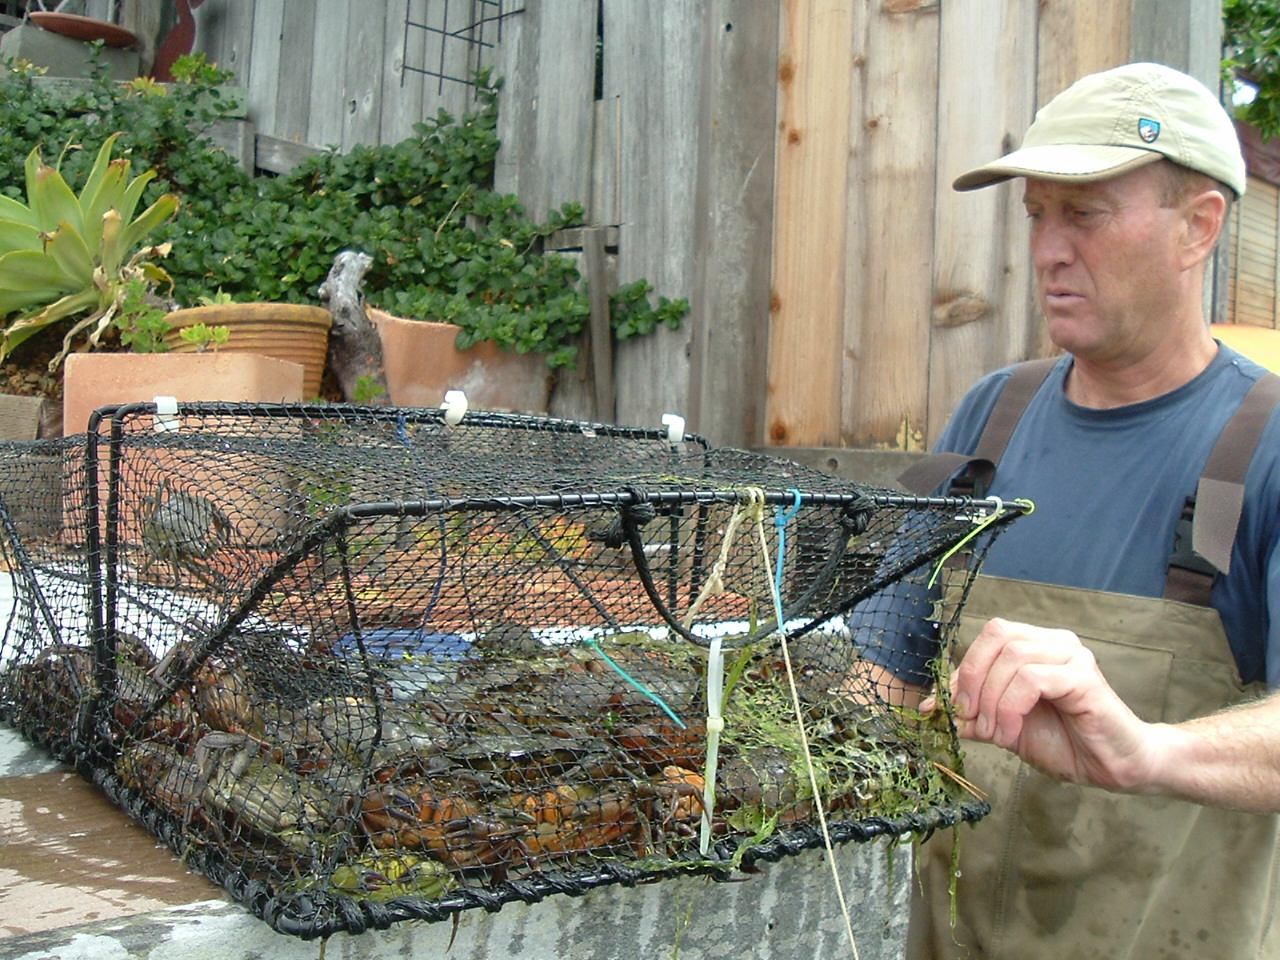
(1111, 122)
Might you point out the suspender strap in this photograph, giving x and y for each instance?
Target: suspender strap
(1220, 494)
(1021, 386)
(927, 475)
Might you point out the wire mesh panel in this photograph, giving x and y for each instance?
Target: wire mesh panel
(45, 662)
(363, 665)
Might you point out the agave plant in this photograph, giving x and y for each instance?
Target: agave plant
(64, 257)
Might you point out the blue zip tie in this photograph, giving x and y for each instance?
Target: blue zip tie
(780, 520)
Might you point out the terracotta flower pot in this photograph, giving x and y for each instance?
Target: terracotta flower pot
(295, 332)
(422, 363)
(95, 380)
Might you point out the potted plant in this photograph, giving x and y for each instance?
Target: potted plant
(294, 332)
(68, 258)
(82, 264)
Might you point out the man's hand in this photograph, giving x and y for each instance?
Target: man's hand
(1039, 693)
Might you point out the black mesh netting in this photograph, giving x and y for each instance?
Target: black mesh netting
(361, 665)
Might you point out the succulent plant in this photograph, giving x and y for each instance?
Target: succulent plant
(67, 257)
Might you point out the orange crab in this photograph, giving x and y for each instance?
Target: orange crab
(455, 830)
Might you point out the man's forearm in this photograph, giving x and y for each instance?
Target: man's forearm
(1229, 759)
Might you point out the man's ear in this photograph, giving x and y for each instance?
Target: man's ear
(1204, 216)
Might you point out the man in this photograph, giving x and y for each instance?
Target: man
(1127, 739)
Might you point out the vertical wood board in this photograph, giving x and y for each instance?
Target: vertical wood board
(224, 32)
(402, 100)
(265, 69)
(893, 129)
(651, 67)
(327, 94)
(547, 105)
(292, 92)
(808, 303)
(983, 284)
(605, 206)
(729, 316)
(1078, 37)
(367, 61)
(1183, 33)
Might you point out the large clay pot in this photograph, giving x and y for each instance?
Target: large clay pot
(95, 380)
(295, 332)
(422, 364)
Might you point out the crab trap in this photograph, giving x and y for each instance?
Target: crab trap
(361, 665)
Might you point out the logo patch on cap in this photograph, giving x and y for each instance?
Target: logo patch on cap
(1148, 130)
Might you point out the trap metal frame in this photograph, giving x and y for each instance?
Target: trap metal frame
(360, 665)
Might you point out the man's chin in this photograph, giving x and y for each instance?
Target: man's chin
(1073, 334)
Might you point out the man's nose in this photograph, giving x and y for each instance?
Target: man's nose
(1050, 243)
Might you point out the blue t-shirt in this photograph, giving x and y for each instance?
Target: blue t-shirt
(1109, 485)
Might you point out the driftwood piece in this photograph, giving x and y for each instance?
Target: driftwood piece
(355, 349)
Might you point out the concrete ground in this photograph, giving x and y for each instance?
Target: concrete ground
(80, 881)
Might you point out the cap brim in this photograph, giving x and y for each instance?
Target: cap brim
(1058, 161)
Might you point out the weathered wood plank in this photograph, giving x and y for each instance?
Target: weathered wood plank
(281, 156)
(224, 32)
(808, 302)
(884, 350)
(604, 205)
(365, 52)
(595, 269)
(651, 66)
(1078, 37)
(402, 104)
(1182, 33)
(263, 74)
(547, 62)
(292, 92)
(733, 212)
(983, 309)
(327, 91)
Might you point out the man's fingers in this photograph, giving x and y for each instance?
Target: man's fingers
(1009, 669)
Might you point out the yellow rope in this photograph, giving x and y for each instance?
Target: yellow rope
(978, 527)
(804, 738)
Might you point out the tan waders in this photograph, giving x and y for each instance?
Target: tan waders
(1061, 872)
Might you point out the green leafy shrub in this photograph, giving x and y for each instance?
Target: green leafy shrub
(445, 245)
(1251, 47)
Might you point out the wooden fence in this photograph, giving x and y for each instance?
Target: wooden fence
(783, 164)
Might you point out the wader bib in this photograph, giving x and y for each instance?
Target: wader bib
(1070, 872)
(1063, 871)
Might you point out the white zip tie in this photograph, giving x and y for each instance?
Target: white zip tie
(675, 427)
(715, 724)
(454, 407)
(166, 418)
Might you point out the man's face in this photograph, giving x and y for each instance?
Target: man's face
(1105, 261)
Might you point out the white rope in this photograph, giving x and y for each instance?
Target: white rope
(753, 505)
